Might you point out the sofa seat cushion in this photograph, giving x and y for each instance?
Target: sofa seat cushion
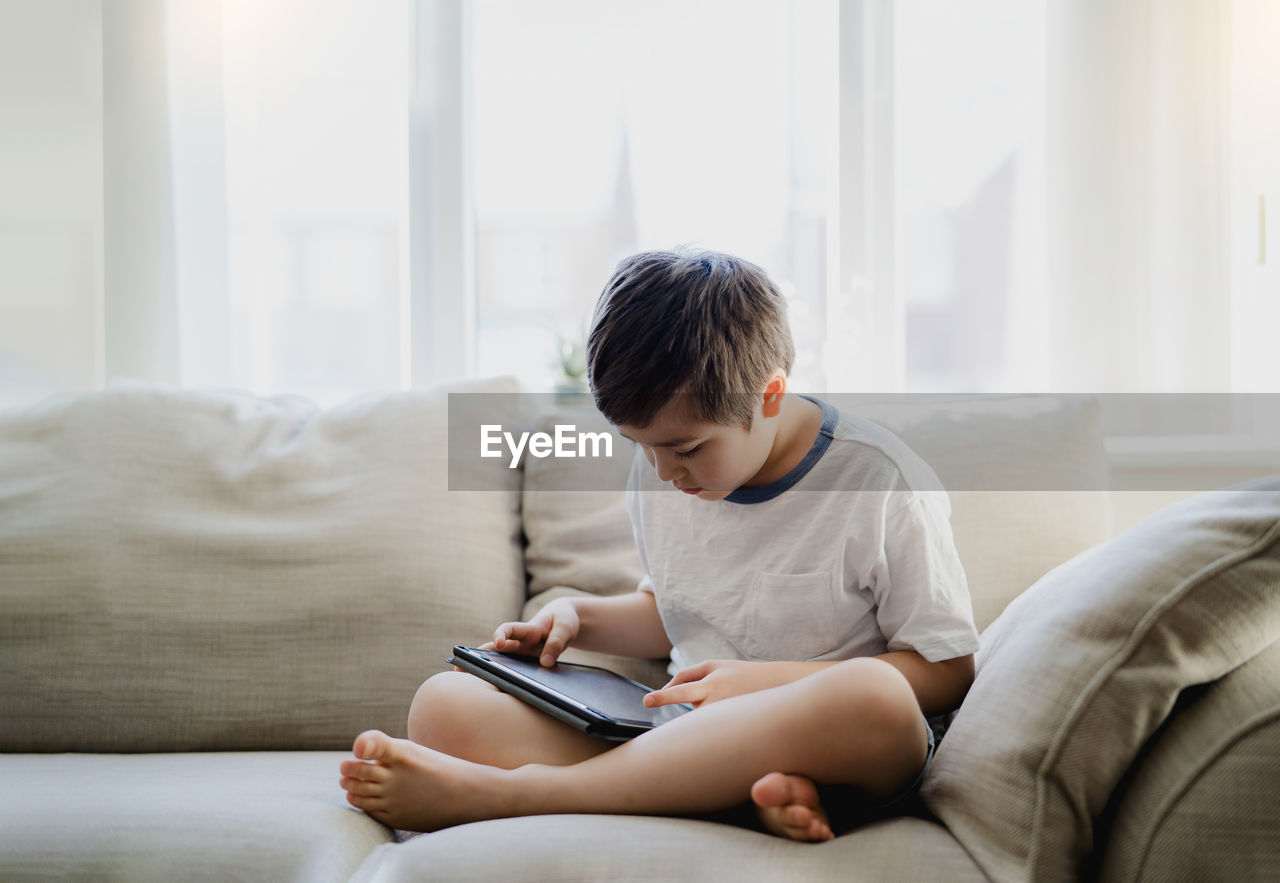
(643, 848)
(1079, 672)
(219, 816)
(186, 570)
(1204, 803)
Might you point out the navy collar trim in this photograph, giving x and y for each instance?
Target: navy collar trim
(765, 492)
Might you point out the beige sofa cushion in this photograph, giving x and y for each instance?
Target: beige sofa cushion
(1205, 802)
(162, 817)
(1080, 670)
(575, 517)
(647, 848)
(187, 570)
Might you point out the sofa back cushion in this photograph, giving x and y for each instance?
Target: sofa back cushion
(1079, 671)
(575, 515)
(188, 570)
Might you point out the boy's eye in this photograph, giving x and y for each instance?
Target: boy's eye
(683, 455)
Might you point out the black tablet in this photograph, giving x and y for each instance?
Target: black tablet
(595, 700)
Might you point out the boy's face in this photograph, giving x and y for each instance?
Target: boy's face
(709, 460)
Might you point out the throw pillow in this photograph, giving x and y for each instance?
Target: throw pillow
(1080, 670)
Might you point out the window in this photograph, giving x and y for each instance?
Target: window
(1002, 195)
(604, 127)
(969, 93)
(316, 164)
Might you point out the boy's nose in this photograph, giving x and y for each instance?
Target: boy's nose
(666, 466)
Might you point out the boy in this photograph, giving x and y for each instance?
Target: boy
(809, 630)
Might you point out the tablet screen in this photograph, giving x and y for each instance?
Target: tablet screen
(605, 691)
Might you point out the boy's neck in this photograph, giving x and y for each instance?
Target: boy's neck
(798, 426)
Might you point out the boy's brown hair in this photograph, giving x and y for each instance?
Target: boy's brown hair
(703, 325)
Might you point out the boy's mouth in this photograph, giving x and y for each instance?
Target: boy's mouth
(691, 490)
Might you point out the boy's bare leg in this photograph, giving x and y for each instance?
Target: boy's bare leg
(856, 723)
(464, 716)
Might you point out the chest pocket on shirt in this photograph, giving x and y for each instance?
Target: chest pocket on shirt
(791, 616)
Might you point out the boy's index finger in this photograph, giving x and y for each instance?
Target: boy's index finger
(693, 693)
(556, 643)
(512, 631)
(688, 675)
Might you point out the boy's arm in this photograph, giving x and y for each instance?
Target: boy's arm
(627, 624)
(939, 686)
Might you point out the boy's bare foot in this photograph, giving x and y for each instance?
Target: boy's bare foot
(788, 806)
(411, 787)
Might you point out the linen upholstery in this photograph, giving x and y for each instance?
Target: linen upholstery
(186, 570)
(647, 848)
(575, 521)
(1204, 803)
(163, 817)
(1081, 669)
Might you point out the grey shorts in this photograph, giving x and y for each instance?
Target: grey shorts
(910, 791)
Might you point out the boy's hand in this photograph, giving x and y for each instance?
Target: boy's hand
(545, 636)
(714, 680)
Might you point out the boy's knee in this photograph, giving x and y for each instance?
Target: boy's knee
(873, 708)
(872, 690)
(440, 707)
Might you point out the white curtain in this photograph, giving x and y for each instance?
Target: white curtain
(51, 181)
(233, 193)
(1137, 170)
(124, 254)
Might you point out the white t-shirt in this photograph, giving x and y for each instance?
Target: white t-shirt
(849, 554)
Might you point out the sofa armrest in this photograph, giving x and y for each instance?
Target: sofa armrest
(1203, 802)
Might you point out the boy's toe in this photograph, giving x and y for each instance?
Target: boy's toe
(361, 788)
(771, 790)
(372, 745)
(796, 816)
(360, 769)
(789, 806)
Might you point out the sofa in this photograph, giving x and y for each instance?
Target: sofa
(207, 594)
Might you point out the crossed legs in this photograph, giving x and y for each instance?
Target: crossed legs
(856, 723)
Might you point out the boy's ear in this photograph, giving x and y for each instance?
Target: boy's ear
(774, 392)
